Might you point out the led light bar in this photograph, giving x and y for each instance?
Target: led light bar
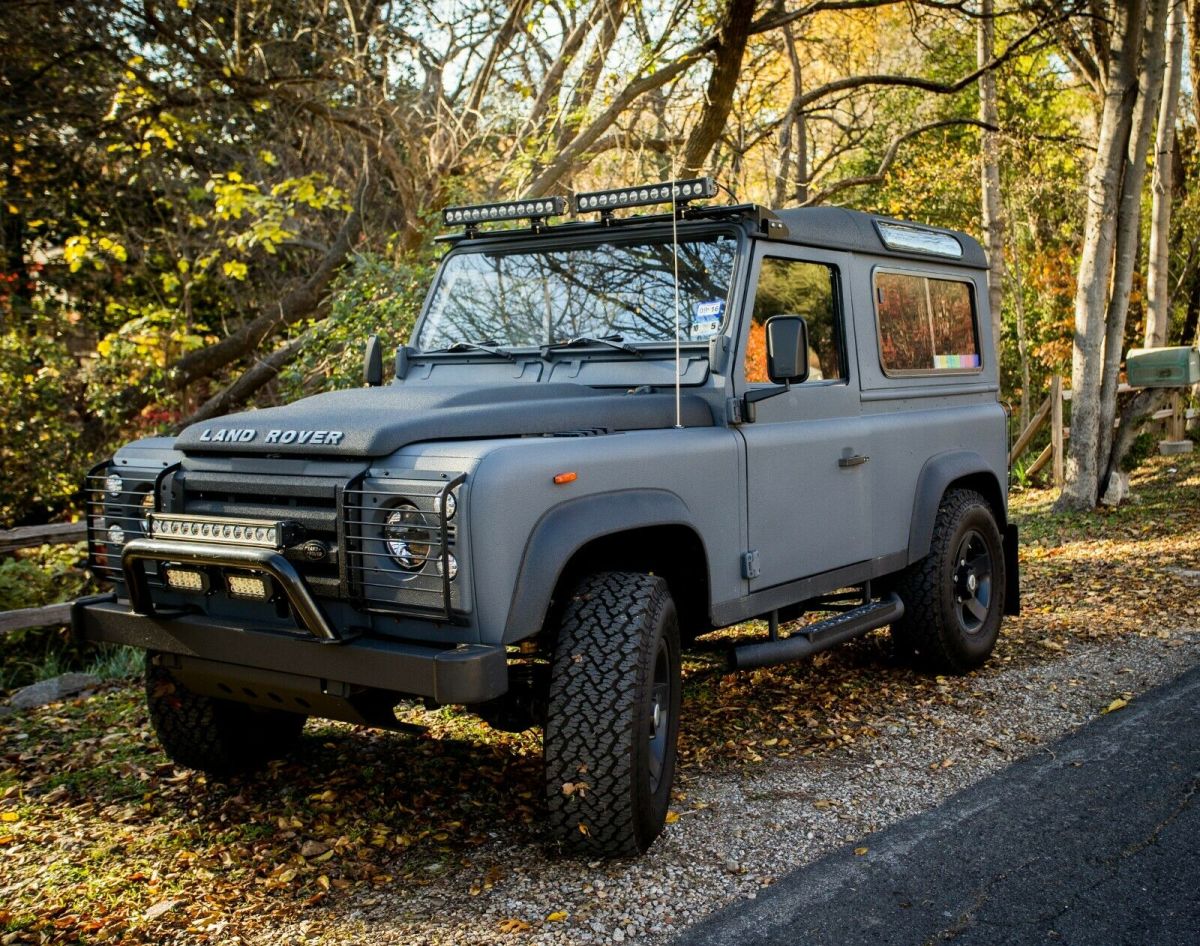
(185, 579)
(247, 586)
(536, 208)
(898, 236)
(255, 532)
(697, 188)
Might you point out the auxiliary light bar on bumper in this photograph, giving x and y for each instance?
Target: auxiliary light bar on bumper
(137, 552)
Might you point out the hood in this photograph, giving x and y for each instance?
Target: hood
(374, 422)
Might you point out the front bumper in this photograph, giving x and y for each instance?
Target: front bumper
(467, 673)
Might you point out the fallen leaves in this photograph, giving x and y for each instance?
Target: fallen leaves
(110, 829)
(514, 925)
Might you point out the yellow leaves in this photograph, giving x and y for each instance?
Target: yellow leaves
(514, 925)
(235, 269)
(1117, 704)
(572, 788)
(557, 916)
(824, 804)
(672, 817)
(75, 250)
(860, 851)
(9, 816)
(583, 829)
(113, 249)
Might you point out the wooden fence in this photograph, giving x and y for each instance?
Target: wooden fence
(1050, 411)
(62, 533)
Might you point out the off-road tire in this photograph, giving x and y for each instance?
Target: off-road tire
(216, 736)
(618, 634)
(939, 631)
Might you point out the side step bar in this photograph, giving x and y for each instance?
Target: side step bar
(818, 637)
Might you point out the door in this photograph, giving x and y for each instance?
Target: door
(808, 502)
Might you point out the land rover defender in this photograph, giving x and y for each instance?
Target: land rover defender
(605, 437)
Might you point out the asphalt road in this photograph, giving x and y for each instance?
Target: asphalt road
(1092, 840)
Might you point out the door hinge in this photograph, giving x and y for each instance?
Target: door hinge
(733, 410)
(750, 566)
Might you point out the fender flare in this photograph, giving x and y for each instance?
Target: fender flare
(935, 477)
(564, 529)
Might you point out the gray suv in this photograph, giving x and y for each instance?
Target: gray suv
(606, 437)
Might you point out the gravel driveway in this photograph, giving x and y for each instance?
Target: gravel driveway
(738, 830)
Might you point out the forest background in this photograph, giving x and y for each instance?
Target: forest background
(208, 205)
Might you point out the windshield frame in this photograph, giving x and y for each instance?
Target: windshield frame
(575, 236)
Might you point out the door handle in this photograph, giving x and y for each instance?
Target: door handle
(857, 460)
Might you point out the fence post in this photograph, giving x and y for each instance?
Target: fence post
(1056, 428)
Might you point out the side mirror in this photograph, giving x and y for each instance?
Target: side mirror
(787, 349)
(373, 363)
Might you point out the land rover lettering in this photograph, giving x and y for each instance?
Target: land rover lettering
(324, 437)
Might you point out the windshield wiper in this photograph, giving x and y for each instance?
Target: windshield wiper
(486, 345)
(612, 341)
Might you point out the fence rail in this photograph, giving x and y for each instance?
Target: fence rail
(25, 537)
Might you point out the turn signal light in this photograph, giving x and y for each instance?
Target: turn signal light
(561, 479)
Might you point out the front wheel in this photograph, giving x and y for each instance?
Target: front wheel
(613, 715)
(216, 736)
(954, 596)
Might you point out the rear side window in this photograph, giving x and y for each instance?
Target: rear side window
(925, 324)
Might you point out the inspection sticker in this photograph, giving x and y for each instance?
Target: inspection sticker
(706, 322)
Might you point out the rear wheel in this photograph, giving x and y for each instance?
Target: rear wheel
(217, 736)
(613, 715)
(954, 597)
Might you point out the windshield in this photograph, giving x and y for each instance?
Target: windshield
(622, 287)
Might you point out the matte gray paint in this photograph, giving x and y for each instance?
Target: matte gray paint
(936, 475)
(377, 421)
(775, 487)
(566, 528)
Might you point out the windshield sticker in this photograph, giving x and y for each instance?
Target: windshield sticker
(707, 319)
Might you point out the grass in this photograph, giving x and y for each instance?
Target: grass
(98, 826)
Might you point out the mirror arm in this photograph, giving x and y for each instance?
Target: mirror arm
(751, 398)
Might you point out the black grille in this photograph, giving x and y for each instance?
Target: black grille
(123, 509)
(309, 501)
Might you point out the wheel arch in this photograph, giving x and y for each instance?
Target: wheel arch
(961, 469)
(628, 530)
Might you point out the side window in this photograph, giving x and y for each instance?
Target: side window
(925, 324)
(794, 287)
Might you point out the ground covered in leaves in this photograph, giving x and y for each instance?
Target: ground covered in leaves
(103, 840)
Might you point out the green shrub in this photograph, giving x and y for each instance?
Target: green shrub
(1145, 445)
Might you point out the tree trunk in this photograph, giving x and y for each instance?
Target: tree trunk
(1095, 263)
(1129, 228)
(993, 218)
(1022, 334)
(1158, 290)
(793, 138)
(718, 97)
(1194, 35)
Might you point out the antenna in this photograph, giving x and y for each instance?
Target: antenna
(675, 254)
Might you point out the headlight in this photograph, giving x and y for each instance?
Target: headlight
(116, 535)
(407, 536)
(453, 563)
(114, 484)
(451, 506)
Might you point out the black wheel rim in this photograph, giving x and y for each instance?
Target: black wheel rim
(972, 582)
(659, 715)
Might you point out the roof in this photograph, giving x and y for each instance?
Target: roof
(842, 229)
